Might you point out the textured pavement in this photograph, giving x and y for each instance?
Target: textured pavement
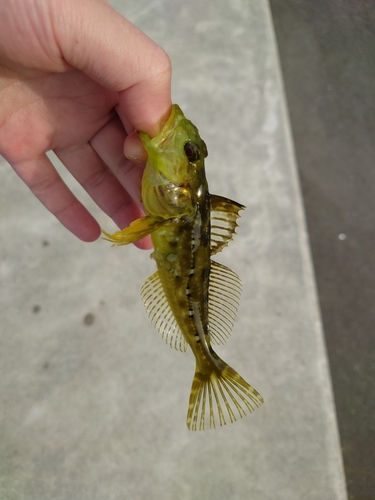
(93, 404)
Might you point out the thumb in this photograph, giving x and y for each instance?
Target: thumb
(97, 40)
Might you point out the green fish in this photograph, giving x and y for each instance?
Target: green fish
(191, 299)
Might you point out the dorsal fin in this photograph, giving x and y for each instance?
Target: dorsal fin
(224, 215)
(161, 314)
(224, 296)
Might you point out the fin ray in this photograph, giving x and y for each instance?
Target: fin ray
(137, 230)
(224, 297)
(161, 314)
(227, 391)
(224, 215)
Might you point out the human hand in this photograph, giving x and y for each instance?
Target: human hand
(77, 78)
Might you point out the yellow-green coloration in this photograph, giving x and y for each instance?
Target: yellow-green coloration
(191, 299)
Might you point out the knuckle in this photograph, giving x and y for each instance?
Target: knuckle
(161, 66)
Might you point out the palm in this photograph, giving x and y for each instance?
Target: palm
(68, 113)
(56, 111)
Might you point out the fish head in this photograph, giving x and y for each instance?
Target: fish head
(174, 176)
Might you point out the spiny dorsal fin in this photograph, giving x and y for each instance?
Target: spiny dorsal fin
(160, 313)
(137, 230)
(224, 297)
(224, 215)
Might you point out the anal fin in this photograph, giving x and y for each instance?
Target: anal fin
(161, 314)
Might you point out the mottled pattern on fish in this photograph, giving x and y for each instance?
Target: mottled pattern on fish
(191, 299)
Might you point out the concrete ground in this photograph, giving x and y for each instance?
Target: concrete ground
(93, 403)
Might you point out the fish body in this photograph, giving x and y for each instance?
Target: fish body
(191, 299)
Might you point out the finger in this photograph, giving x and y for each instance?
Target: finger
(100, 183)
(108, 143)
(94, 38)
(134, 150)
(143, 105)
(43, 180)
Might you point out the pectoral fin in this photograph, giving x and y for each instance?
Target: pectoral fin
(137, 230)
(224, 215)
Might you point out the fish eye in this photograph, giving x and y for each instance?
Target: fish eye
(192, 151)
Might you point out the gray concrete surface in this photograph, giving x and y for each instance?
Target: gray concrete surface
(93, 403)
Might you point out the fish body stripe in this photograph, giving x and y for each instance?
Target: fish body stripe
(184, 269)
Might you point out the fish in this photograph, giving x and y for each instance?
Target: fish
(191, 299)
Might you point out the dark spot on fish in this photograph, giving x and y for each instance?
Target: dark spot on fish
(181, 228)
(46, 365)
(198, 341)
(89, 319)
(205, 273)
(205, 240)
(102, 303)
(45, 243)
(36, 309)
(208, 199)
(173, 244)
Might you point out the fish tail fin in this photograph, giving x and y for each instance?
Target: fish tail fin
(217, 395)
